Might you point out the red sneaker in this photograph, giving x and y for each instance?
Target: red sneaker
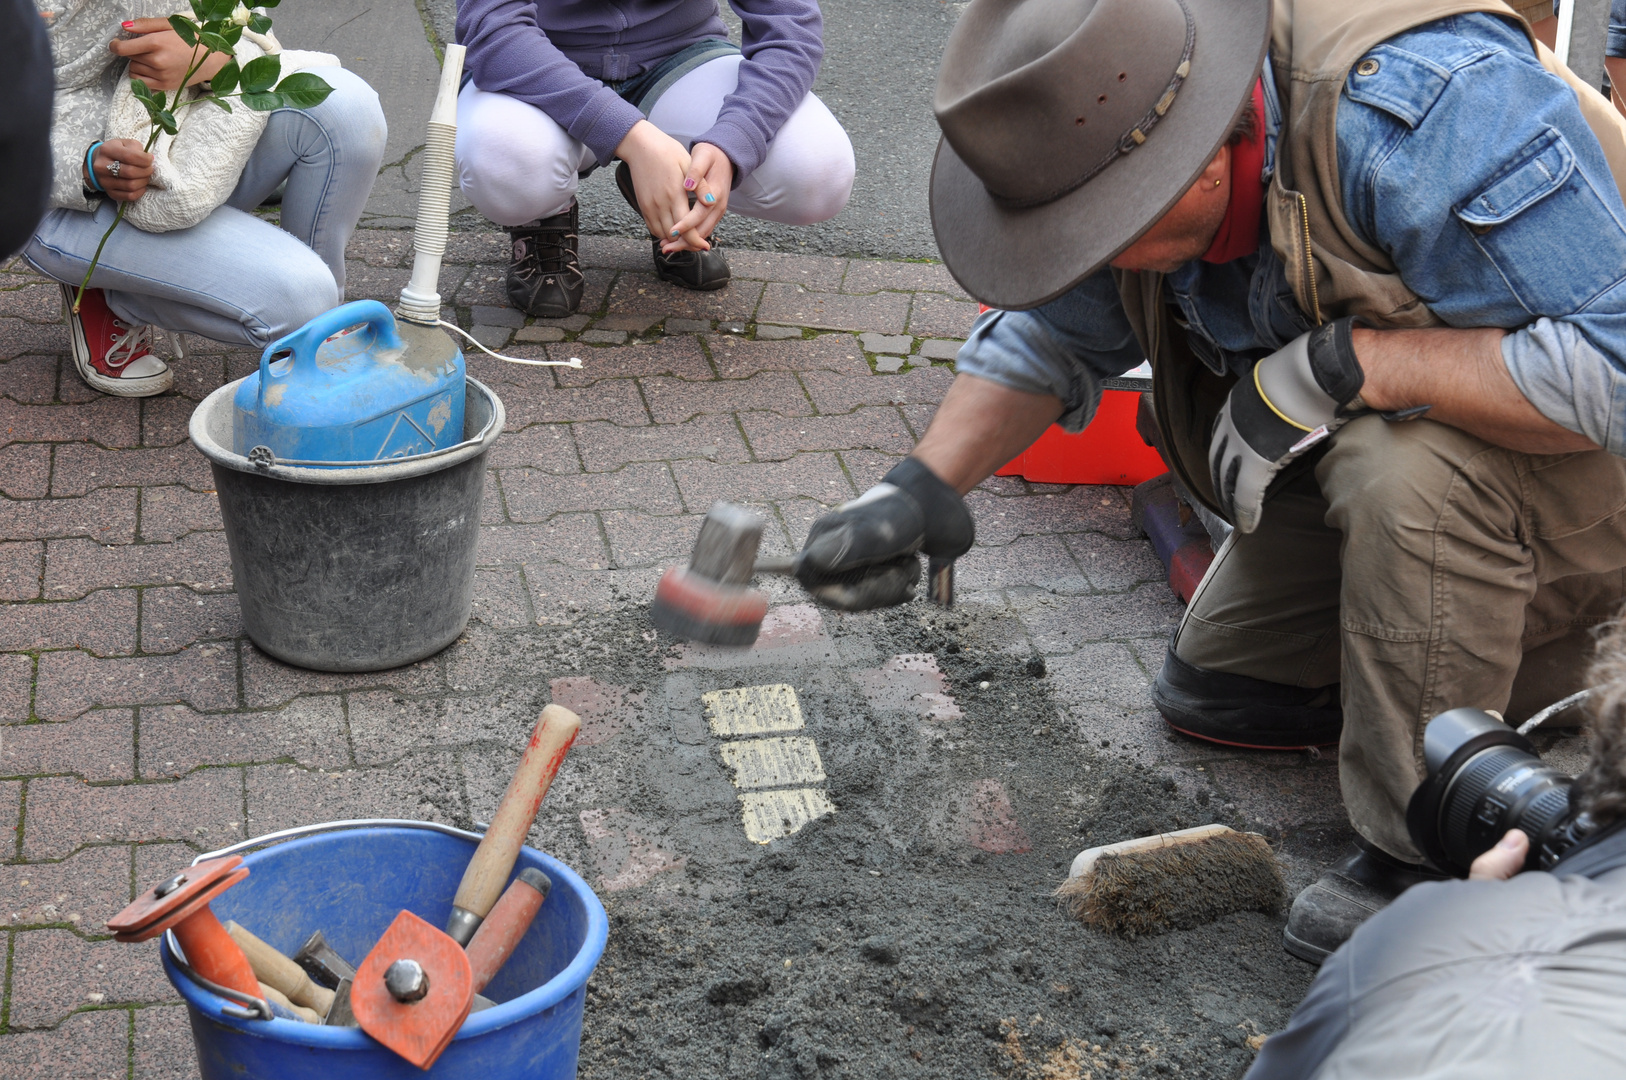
(111, 355)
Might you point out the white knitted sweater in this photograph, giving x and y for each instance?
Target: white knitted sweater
(195, 171)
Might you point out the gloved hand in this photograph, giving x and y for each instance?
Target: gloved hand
(1295, 398)
(862, 554)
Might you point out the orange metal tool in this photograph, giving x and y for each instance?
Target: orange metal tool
(414, 990)
(493, 860)
(507, 922)
(181, 903)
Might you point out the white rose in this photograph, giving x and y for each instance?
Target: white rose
(240, 15)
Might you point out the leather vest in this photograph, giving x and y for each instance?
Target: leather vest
(1332, 270)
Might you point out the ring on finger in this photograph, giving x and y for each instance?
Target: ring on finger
(113, 167)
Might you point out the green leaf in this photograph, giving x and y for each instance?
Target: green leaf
(166, 120)
(226, 79)
(217, 9)
(303, 90)
(261, 73)
(261, 102)
(233, 34)
(211, 99)
(139, 89)
(184, 28)
(214, 42)
(200, 9)
(258, 23)
(267, 3)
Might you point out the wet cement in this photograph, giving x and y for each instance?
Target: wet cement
(882, 941)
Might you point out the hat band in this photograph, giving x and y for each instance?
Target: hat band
(1132, 138)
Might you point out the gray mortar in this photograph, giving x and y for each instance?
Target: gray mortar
(910, 953)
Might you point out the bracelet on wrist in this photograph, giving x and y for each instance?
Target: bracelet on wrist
(94, 185)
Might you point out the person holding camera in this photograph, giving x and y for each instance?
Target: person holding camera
(1378, 275)
(1507, 974)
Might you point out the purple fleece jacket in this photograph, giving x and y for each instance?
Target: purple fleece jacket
(554, 53)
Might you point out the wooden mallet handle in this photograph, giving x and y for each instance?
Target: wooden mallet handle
(505, 924)
(493, 860)
(279, 972)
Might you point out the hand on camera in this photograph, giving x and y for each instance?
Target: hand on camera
(862, 555)
(1502, 861)
(134, 170)
(1294, 399)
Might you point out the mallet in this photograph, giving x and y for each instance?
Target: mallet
(494, 859)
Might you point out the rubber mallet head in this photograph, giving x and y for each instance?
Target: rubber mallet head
(711, 600)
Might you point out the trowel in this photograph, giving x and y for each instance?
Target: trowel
(414, 990)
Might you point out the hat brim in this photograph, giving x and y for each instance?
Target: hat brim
(1017, 259)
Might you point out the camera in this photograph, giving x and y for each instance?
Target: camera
(1483, 779)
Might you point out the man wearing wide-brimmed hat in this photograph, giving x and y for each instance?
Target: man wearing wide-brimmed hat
(1381, 279)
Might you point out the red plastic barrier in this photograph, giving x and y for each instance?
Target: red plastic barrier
(1109, 451)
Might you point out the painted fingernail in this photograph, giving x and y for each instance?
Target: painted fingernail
(129, 25)
(709, 197)
(676, 233)
(688, 183)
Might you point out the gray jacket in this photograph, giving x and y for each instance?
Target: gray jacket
(86, 73)
(1517, 979)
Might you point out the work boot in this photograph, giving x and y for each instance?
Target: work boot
(545, 278)
(111, 355)
(702, 271)
(1235, 710)
(1351, 891)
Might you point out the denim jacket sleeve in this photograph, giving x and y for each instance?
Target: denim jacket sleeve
(1473, 169)
(1063, 348)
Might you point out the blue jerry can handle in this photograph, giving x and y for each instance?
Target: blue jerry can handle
(304, 342)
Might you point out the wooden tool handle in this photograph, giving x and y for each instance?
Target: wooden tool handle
(280, 973)
(210, 950)
(506, 923)
(277, 997)
(493, 860)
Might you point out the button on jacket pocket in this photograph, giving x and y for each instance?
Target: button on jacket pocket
(1548, 232)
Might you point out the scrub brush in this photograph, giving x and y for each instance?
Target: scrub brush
(1172, 881)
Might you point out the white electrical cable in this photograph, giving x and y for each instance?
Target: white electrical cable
(574, 361)
(1553, 710)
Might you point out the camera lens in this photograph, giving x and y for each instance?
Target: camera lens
(1484, 778)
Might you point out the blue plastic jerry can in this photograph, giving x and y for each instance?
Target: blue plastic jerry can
(352, 386)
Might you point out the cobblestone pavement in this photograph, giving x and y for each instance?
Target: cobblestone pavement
(141, 726)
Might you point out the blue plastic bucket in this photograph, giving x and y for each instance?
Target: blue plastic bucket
(350, 884)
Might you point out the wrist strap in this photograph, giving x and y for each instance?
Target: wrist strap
(90, 166)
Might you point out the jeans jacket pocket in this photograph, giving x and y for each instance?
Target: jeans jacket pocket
(1533, 219)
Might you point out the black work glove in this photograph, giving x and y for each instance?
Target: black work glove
(1291, 402)
(862, 555)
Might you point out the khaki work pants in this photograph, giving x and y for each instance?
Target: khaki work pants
(1424, 569)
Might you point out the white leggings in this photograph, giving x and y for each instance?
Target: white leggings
(516, 164)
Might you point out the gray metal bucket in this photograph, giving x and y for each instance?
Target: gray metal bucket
(352, 569)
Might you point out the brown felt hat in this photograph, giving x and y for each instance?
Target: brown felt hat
(1071, 126)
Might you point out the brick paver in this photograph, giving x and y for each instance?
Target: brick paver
(138, 727)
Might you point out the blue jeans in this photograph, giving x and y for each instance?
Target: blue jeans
(234, 277)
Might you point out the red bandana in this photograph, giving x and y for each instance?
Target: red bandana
(1239, 233)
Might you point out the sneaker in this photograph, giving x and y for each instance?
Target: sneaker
(1235, 710)
(545, 279)
(112, 356)
(702, 271)
(1351, 891)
